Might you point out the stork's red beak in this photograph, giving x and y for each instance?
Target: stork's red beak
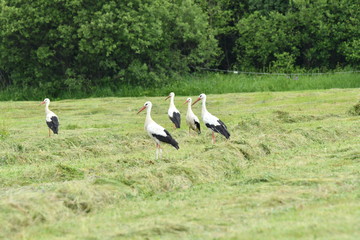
(167, 97)
(186, 101)
(141, 109)
(196, 101)
(42, 103)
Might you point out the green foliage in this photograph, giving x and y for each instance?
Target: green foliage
(352, 51)
(80, 44)
(284, 63)
(261, 37)
(266, 6)
(66, 46)
(314, 35)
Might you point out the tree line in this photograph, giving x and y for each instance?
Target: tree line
(79, 44)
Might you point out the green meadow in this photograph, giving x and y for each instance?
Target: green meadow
(290, 169)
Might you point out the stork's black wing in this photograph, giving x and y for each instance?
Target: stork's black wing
(166, 139)
(176, 119)
(221, 128)
(53, 124)
(197, 124)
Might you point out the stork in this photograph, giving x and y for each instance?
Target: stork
(212, 122)
(157, 132)
(191, 119)
(51, 119)
(173, 113)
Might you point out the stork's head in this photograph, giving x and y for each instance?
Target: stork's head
(148, 104)
(172, 94)
(46, 101)
(188, 100)
(201, 97)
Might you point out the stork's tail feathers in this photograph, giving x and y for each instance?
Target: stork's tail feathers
(168, 139)
(53, 124)
(225, 132)
(219, 129)
(174, 144)
(223, 129)
(197, 124)
(176, 119)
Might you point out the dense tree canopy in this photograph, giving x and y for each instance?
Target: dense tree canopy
(77, 44)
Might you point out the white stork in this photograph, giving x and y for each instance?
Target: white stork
(173, 113)
(157, 132)
(212, 122)
(51, 119)
(191, 119)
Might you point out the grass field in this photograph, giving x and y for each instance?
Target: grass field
(210, 83)
(289, 171)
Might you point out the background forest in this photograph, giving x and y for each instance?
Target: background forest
(80, 45)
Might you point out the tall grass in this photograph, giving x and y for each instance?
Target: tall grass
(234, 83)
(214, 83)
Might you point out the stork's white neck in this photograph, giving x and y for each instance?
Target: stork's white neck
(172, 101)
(203, 108)
(47, 110)
(189, 107)
(148, 118)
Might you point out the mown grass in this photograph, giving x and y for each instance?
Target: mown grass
(289, 171)
(211, 83)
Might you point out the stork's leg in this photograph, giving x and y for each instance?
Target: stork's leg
(213, 138)
(157, 152)
(160, 151)
(49, 132)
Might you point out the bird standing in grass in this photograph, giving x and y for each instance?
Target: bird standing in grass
(173, 113)
(191, 119)
(157, 132)
(212, 122)
(51, 119)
